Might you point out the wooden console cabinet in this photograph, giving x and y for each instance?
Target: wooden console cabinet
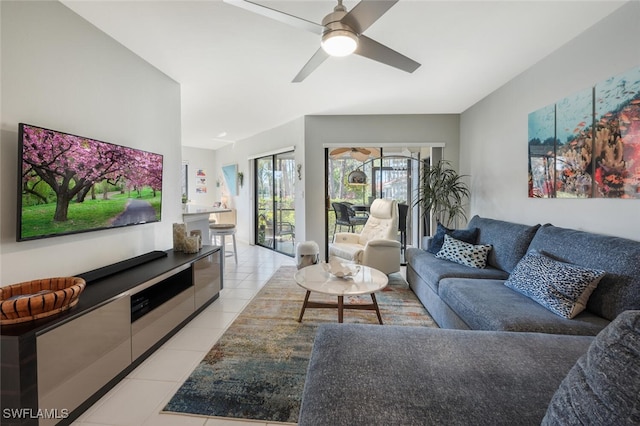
(55, 368)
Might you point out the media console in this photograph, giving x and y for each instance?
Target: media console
(55, 368)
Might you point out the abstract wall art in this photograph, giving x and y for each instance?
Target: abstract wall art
(230, 173)
(542, 152)
(617, 140)
(588, 144)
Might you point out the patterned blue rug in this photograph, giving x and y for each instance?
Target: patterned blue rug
(257, 368)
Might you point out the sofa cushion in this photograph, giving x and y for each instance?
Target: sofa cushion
(619, 289)
(463, 253)
(561, 287)
(467, 235)
(509, 240)
(432, 270)
(490, 305)
(603, 387)
(395, 375)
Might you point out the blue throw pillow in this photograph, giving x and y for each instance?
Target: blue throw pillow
(467, 235)
(603, 387)
(562, 288)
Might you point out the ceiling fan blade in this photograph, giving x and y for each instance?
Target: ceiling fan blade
(359, 156)
(371, 49)
(339, 151)
(365, 13)
(318, 58)
(283, 17)
(365, 151)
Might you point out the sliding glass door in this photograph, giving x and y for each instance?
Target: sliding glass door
(275, 204)
(390, 174)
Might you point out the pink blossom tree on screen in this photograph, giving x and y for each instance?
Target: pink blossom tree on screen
(71, 165)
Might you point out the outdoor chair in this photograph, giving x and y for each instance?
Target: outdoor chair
(403, 210)
(283, 231)
(345, 216)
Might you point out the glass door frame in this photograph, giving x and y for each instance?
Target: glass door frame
(272, 229)
(412, 167)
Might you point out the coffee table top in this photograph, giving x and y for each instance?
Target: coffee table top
(366, 281)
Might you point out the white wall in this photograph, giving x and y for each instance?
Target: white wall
(60, 72)
(201, 159)
(309, 135)
(369, 130)
(493, 133)
(287, 135)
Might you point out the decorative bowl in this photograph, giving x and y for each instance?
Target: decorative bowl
(341, 270)
(35, 299)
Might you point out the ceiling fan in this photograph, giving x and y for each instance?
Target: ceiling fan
(342, 33)
(360, 154)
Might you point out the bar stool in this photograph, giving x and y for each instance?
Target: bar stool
(222, 230)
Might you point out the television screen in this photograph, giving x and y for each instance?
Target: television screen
(70, 184)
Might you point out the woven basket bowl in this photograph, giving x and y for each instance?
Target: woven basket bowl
(38, 298)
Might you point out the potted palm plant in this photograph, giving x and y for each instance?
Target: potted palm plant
(442, 194)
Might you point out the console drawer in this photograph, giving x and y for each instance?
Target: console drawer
(76, 359)
(151, 328)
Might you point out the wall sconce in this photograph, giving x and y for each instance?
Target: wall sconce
(299, 168)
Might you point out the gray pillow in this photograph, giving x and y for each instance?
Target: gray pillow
(561, 287)
(603, 387)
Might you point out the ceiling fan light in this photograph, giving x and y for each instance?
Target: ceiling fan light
(339, 42)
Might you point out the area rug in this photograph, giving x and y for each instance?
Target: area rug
(257, 368)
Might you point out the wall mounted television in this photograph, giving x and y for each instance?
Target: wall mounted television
(69, 184)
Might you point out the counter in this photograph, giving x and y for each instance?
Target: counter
(197, 217)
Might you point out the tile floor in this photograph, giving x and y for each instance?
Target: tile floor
(138, 398)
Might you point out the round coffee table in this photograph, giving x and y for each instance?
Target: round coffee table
(315, 279)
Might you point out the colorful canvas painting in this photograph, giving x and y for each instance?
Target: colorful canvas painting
(542, 143)
(617, 141)
(588, 144)
(574, 136)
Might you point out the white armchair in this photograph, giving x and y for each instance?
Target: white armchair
(377, 245)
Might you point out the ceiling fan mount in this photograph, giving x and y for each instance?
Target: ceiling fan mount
(342, 30)
(338, 38)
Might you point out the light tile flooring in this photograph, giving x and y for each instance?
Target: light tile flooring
(138, 398)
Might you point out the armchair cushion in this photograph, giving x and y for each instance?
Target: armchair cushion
(347, 251)
(382, 223)
(346, 238)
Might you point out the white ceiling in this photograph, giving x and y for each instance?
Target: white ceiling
(235, 67)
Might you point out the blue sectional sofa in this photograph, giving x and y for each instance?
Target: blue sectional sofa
(369, 375)
(500, 358)
(463, 297)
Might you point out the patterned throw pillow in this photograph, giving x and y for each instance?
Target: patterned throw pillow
(464, 253)
(467, 235)
(561, 287)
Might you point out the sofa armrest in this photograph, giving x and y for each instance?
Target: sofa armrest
(346, 238)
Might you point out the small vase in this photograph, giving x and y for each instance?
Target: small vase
(179, 236)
